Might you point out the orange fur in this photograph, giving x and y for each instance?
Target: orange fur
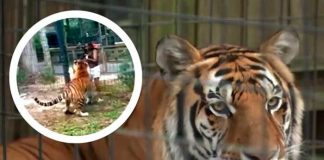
(74, 91)
(143, 135)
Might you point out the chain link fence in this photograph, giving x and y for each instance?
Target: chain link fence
(244, 22)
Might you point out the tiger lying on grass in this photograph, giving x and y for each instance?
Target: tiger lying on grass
(74, 91)
(222, 102)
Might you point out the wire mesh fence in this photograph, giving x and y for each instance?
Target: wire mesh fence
(205, 22)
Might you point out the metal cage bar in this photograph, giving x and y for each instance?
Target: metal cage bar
(76, 151)
(2, 85)
(309, 79)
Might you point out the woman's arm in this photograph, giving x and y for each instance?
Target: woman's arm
(95, 56)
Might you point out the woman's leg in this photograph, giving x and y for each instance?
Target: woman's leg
(97, 84)
(97, 88)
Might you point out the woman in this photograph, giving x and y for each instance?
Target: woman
(92, 56)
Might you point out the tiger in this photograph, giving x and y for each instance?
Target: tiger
(221, 102)
(229, 102)
(74, 92)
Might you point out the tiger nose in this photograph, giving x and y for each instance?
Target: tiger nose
(270, 155)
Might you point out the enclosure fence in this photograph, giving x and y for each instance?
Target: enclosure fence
(202, 22)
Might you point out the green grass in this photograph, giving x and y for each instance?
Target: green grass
(21, 76)
(47, 75)
(77, 126)
(318, 157)
(73, 130)
(116, 89)
(113, 114)
(108, 111)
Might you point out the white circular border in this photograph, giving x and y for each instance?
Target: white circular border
(19, 102)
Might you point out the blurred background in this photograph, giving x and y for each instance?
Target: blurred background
(46, 64)
(202, 22)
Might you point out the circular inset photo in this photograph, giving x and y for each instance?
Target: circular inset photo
(75, 76)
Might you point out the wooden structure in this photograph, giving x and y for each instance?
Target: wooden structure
(202, 22)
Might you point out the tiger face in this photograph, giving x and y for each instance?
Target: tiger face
(229, 103)
(80, 68)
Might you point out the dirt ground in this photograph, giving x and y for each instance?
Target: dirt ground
(101, 114)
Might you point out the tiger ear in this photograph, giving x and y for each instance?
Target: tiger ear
(284, 44)
(174, 55)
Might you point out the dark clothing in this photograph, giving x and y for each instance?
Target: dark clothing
(88, 49)
(91, 63)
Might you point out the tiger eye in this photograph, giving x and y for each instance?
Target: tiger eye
(218, 106)
(273, 102)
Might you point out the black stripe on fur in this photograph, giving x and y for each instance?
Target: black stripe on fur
(50, 103)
